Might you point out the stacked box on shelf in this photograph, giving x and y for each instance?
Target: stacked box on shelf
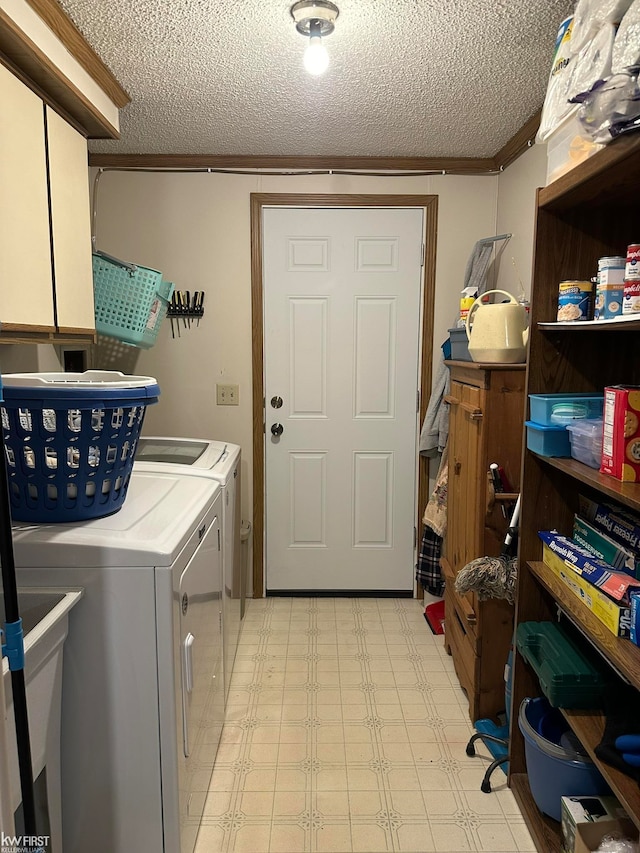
(616, 522)
(617, 585)
(614, 616)
(619, 556)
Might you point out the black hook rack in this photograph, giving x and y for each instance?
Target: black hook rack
(185, 307)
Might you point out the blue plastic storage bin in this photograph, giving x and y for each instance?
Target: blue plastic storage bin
(459, 344)
(548, 440)
(70, 441)
(561, 409)
(556, 764)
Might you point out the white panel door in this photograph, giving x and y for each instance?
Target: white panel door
(342, 291)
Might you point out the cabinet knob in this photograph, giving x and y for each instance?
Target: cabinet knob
(457, 466)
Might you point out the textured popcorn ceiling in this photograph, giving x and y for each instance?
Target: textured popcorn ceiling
(430, 78)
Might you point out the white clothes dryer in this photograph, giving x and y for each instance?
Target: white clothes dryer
(143, 689)
(219, 461)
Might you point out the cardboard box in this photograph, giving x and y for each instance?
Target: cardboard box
(635, 618)
(602, 546)
(621, 433)
(617, 585)
(608, 302)
(589, 835)
(576, 810)
(616, 522)
(613, 616)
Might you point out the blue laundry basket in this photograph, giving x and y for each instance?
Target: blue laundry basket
(70, 441)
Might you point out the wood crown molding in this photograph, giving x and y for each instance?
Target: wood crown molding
(516, 146)
(431, 165)
(71, 37)
(519, 142)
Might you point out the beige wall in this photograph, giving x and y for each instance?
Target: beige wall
(195, 227)
(516, 214)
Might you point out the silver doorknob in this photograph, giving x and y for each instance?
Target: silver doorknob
(277, 429)
(276, 402)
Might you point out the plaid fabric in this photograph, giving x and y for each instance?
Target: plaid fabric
(428, 572)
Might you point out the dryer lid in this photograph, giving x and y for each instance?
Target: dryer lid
(157, 519)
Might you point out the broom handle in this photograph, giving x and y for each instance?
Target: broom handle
(513, 526)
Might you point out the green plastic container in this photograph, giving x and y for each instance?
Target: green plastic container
(568, 678)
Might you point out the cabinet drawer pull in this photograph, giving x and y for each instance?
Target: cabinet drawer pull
(473, 411)
(469, 612)
(452, 401)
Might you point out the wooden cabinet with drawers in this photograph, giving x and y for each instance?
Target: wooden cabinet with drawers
(486, 425)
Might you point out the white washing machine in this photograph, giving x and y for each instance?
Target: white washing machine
(143, 689)
(219, 461)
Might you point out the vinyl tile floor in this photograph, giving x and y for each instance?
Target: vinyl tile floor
(345, 731)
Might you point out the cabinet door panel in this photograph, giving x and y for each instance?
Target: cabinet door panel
(70, 224)
(463, 526)
(26, 293)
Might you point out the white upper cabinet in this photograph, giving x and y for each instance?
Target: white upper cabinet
(46, 281)
(26, 292)
(70, 225)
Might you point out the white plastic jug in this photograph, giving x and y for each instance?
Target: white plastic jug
(497, 332)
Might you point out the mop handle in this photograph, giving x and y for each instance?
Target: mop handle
(12, 616)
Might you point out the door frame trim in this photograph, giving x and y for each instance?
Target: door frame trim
(429, 204)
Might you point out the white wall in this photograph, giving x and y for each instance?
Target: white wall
(516, 214)
(196, 229)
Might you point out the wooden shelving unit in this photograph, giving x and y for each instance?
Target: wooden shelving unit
(587, 214)
(624, 493)
(544, 831)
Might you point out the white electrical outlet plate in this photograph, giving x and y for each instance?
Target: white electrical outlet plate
(227, 395)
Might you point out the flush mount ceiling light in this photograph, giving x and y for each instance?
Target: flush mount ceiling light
(315, 19)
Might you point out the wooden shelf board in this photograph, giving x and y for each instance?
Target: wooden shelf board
(622, 654)
(629, 323)
(544, 830)
(481, 365)
(608, 176)
(589, 728)
(625, 493)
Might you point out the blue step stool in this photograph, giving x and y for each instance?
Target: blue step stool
(496, 739)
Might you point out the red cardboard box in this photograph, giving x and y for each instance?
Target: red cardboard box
(621, 433)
